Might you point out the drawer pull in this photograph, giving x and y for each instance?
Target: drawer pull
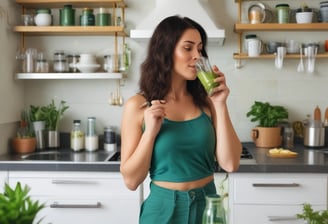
(276, 185)
(73, 182)
(89, 205)
(281, 218)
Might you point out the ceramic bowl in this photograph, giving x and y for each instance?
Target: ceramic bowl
(87, 68)
(88, 59)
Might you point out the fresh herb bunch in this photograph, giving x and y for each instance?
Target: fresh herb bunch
(53, 114)
(313, 217)
(266, 114)
(17, 207)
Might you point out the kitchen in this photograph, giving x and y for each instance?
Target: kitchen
(256, 80)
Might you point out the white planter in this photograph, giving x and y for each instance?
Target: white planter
(304, 17)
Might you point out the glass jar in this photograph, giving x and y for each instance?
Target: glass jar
(214, 211)
(87, 18)
(60, 65)
(109, 140)
(73, 59)
(282, 13)
(91, 138)
(77, 136)
(67, 16)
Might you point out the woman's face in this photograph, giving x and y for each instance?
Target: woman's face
(186, 53)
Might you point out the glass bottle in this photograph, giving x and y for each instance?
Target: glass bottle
(87, 18)
(214, 211)
(91, 138)
(77, 136)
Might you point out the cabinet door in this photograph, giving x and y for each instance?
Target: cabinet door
(81, 196)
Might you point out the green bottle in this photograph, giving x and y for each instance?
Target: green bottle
(214, 212)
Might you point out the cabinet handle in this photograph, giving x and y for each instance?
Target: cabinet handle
(89, 205)
(275, 185)
(73, 182)
(281, 218)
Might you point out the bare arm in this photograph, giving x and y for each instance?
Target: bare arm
(228, 148)
(137, 145)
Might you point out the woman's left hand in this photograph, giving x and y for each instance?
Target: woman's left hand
(221, 92)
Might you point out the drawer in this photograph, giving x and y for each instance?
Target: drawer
(100, 210)
(279, 189)
(268, 214)
(73, 185)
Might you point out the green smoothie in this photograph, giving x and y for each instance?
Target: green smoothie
(207, 80)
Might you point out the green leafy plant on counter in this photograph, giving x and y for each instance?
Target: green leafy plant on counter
(266, 114)
(17, 207)
(25, 129)
(313, 217)
(37, 113)
(53, 114)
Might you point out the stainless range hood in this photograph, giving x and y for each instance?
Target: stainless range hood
(187, 8)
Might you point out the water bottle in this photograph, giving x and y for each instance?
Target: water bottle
(214, 211)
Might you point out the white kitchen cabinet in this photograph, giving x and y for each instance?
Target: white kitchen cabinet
(81, 197)
(3, 179)
(275, 197)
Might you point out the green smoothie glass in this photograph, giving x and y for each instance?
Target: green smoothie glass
(206, 75)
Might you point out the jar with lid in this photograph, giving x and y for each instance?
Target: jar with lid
(87, 18)
(282, 13)
(43, 17)
(110, 140)
(249, 37)
(77, 136)
(73, 59)
(103, 17)
(67, 16)
(214, 212)
(91, 138)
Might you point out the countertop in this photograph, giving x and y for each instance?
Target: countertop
(307, 161)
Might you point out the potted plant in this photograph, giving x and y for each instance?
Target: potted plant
(304, 14)
(25, 141)
(52, 116)
(17, 207)
(268, 133)
(37, 117)
(313, 217)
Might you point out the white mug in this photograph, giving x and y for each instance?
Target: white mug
(254, 47)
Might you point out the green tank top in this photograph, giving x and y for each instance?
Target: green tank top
(184, 150)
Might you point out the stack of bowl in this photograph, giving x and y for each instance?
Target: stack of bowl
(324, 11)
(87, 63)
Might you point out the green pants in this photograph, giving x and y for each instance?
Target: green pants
(165, 206)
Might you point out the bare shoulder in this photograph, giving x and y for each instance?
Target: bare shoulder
(132, 107)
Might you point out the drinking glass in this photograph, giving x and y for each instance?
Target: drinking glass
(206, 75)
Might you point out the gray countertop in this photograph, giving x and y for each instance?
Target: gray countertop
(307, 161)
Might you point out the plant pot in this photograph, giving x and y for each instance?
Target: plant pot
(52, 139)
(39, 129)
(304, 17)
(267, 137)
(23, 145)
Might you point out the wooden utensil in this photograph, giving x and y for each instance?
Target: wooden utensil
(326, 117)
(317, 114)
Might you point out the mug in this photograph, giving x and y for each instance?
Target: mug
(254, 47)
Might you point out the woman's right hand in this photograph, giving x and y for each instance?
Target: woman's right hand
(153, 116)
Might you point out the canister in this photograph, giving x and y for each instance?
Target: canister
(282, 13)
(110, 140)
(67, 16)
(87, 18)
(103, 17)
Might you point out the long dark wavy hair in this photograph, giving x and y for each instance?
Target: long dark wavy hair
(156, 70)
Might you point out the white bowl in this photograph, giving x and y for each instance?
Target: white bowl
(87, 68)
(87, 59)
(304, 17)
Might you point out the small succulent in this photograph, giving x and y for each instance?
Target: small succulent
(313, 217)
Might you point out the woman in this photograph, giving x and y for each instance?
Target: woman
(173, 130)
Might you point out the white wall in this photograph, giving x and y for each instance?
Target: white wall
(257, 80)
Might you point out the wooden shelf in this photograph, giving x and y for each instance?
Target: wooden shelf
(97, 75)
(241, 27)
(241, 56)
(71, 30)
(74, 3)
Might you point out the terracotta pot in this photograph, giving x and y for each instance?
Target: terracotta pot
(24, 145)
(264, 137)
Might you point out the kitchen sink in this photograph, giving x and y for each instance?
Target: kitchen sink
(70, 156)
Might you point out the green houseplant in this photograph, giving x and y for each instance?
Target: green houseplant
(16, 206)
(268, 132)
(304, 14)
(25, 141)
(313, 217)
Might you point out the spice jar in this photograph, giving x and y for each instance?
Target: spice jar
(282, 13)
(73, 59)
(109, 140)
(87, 18)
